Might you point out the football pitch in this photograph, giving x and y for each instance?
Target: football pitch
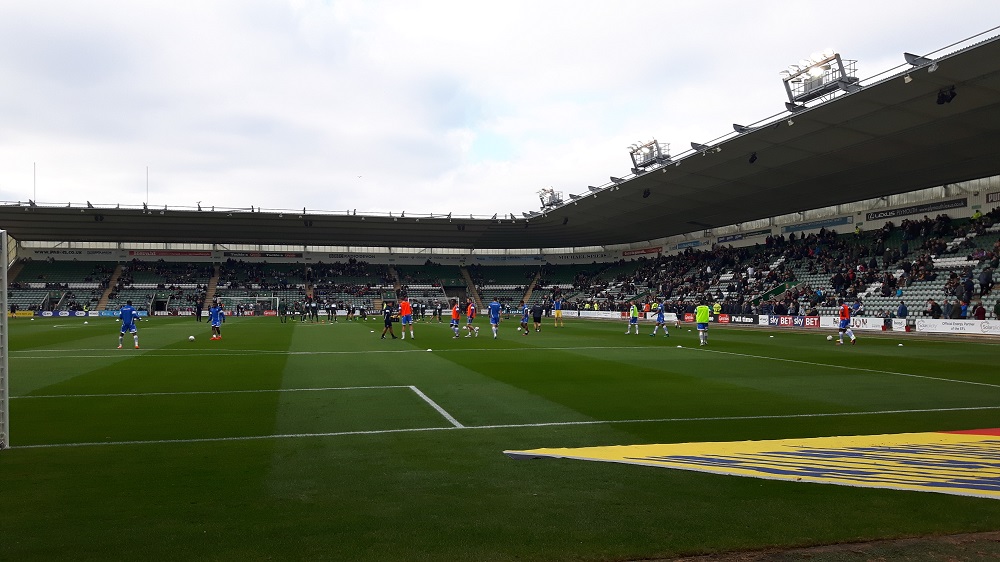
(321, 441)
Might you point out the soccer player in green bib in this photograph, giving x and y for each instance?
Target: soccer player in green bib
(633, 319)
(701, 316)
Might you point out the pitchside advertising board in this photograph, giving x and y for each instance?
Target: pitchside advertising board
(980, 327)
(776, 321)
(819, 322)
(65, 313)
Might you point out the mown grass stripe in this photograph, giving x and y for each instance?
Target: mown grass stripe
(504, 426)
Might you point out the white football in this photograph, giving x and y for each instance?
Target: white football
(829, 338)
(190, 338)
(85, 322)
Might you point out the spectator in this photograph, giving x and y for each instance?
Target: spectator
(979, 312)
(946, 309)
(902, 311)
(934, 309)
(985, 281)
(956, 311)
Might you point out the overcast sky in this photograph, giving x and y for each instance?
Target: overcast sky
(469, 107)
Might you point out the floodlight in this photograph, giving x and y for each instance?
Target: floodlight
(794, 107)
(699, 147)
(849, 87)
(741, 129)
(907, 79)
(815, 71)
(616, 180)
(916, 60)
(592, 188)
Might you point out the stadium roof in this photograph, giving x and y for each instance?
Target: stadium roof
(892, 136)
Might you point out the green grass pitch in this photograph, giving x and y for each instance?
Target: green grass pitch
(320, 441)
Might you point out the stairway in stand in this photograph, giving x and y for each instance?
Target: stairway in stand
(103, 303)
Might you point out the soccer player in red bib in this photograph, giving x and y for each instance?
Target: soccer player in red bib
(845, 323)
(455, 315)
(470, 315)
(405, 317)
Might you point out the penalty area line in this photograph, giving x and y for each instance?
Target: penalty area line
(196, 392)
(495, 426)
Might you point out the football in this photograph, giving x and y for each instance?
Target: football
(829, 338)
(190, 338)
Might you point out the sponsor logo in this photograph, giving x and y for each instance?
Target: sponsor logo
(917, 209)
(793, 321)
(691, 244)
(174, 253)
(655, 250)
(993, 197)
(262, 254)
(919, 462)
(349, 256)
(723, 319)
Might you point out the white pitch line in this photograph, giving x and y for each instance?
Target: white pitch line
(194, 392)
(168, 354)
(498, 426)
(113, 352)
(434, 405)
(847, 367)
(444, 413)
(158, 354)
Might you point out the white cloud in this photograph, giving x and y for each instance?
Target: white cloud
(438, 106)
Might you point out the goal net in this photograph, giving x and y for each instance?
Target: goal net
(4, 374)
(248, 306)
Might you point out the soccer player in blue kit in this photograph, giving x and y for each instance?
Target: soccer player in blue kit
(525, 313)
(660, 322)
(216, 317)
(494, 310)
(129, 317)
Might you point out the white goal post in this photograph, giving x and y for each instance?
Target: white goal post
(229, 304)
(4, 352)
